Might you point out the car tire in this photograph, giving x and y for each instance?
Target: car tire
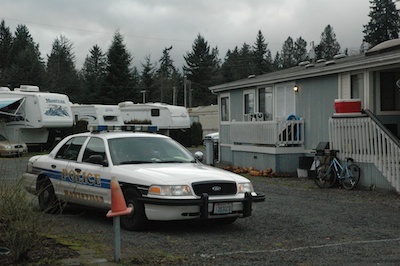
(47, 199)
(136, 220)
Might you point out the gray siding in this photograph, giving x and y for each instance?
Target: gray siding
(225, 155)
(315, 103)
(371, 177)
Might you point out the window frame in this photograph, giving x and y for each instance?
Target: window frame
(228, 103)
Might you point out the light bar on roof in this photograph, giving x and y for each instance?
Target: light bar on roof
(133, 128)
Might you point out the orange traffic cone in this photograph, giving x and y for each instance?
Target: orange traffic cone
(118, 204)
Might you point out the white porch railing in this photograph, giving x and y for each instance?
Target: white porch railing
(365, 140)
(274, 133)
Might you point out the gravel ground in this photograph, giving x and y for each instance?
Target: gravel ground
(298, 224)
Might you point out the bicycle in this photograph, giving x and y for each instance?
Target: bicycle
(327, 175)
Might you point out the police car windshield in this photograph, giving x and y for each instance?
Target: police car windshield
(140, 150)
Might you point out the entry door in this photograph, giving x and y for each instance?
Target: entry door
(284, 101)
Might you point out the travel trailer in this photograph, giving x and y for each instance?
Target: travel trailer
(32, 116)
(97, 114)
(164, 116)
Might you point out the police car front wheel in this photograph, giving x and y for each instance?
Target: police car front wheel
(136, 220)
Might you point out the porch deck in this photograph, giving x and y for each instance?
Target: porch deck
(268, 133)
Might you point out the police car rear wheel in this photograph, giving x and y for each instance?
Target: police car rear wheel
(136, 220)
(47, 199)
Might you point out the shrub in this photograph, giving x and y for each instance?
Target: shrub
(21, 224)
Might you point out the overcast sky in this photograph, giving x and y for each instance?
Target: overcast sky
(149, 26)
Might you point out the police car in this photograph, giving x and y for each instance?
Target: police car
(159, 178)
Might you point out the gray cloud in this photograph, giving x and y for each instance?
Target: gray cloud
(149, 26)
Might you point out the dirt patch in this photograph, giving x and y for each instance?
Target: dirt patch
(45, 252)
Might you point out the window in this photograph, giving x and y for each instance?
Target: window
(110, 118)
(95, 146)
(248, 103)
(155, 112)
(70, 150)
(390, 95)
(285, 100)
(265, 102)
(225, 108)
(357, 86)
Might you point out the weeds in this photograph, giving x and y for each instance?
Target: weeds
(22, 225)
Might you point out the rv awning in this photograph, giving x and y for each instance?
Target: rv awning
(12, 111)
(8, 101)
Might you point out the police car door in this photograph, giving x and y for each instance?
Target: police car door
(93, 170)
(64, 164)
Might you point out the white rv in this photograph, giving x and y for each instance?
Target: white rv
(97, 114)
(28, 115)
(164, 116)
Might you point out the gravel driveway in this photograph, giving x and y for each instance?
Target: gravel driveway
(298, 224)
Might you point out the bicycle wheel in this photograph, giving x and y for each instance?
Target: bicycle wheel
(323, 179)
(354, 176)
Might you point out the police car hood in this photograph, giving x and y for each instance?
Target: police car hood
(177, 173)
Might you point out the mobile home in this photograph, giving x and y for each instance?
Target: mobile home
(256, 114)
(32, 116)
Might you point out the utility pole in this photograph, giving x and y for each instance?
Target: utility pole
(184, 91)
(144, 95)
(173, 95)
(190, 93)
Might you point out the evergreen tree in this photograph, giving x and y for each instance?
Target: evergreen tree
(246, 61)
(147, 84)
(24, 64)
(278, 62)
(328, 46)
(262, 56)
(288, 53)
(135, 94)
(118, 82)
(61, 73)
(5, 47)
(384, 22)
(230, 68)
(164, 76)
(300, 50)
(201, 67)
(93, 72)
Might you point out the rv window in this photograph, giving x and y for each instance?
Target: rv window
(110, 118)
(155, 112)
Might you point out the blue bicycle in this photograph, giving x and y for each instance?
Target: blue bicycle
(328, 172)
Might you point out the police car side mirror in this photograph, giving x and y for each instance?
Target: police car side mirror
(97, 159)
(199, 155)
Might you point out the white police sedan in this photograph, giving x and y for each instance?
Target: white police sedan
(159, 178)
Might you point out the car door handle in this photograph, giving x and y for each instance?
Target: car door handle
(78, 170)
(53, 166)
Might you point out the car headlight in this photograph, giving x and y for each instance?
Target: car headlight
(245, 187)
(181, 190)
(6, 146)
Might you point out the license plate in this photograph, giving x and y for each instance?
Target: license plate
(223, 208)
